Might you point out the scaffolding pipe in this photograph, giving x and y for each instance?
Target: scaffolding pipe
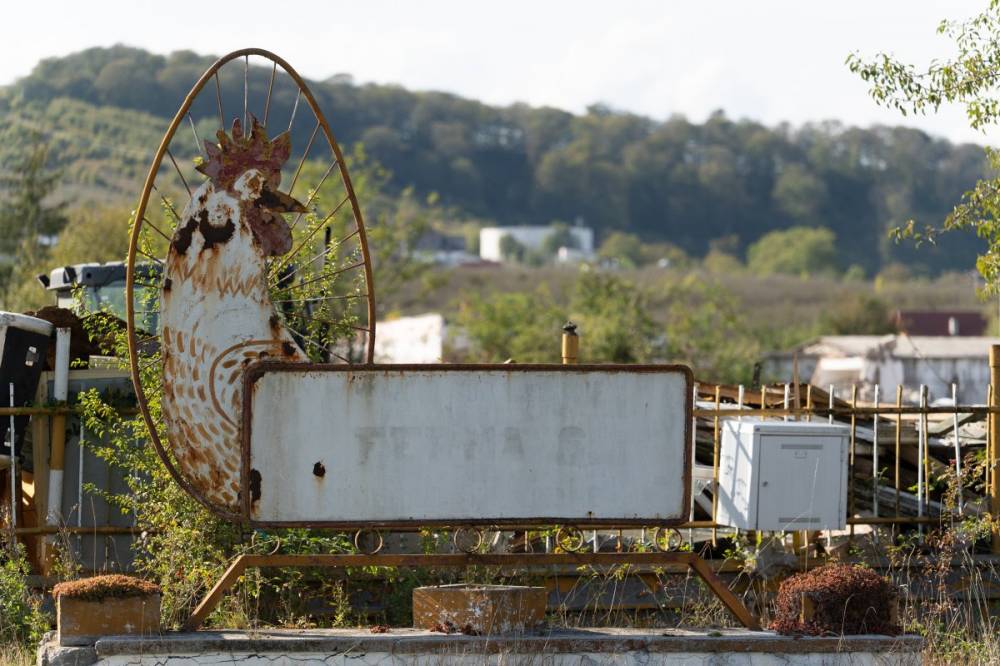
(57, 451)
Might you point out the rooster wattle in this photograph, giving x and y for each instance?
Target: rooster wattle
(216, 310)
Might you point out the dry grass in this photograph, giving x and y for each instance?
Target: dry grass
(16, 655)
(105, 587)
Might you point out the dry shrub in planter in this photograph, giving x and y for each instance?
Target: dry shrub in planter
(105, 605)
(840, 599)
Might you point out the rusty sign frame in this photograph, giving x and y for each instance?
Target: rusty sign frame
(257, 370)
(690, 561)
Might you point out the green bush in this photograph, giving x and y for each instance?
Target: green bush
(21, 619)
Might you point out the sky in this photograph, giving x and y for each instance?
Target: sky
(766, 60)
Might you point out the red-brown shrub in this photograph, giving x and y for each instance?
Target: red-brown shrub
(840, 599)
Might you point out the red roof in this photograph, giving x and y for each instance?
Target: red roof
(940, 322)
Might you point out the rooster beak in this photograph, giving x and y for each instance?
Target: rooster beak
(279, 202)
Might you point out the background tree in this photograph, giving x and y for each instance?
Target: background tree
(29, 220)
(523, 326)
(671, 181)
(613, 314)
(621, 247)
(797, 251)
(560, 236)
(971, 78)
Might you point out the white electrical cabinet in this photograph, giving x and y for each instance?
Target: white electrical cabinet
(783, 475)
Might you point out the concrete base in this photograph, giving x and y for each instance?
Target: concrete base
(479, 609)
(735, 647)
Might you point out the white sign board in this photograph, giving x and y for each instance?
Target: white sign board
(450, 444)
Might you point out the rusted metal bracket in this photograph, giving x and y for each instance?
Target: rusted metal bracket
(700, 566)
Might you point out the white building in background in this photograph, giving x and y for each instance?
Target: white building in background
(890, 361)
(417, 339)
(532, 237)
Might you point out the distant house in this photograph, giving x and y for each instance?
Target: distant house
(890, 361)
(940, 322)
(417, 339)
(532, 238)
(442, 249)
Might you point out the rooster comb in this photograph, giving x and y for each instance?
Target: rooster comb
(233, 155)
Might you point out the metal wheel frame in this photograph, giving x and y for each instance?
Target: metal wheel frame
(137, 228)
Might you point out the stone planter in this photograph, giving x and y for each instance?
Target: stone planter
(479, 609)
(91, 608)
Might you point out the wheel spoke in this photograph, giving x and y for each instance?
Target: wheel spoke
(305, 154)
(295, 107)
(178, 169)
(149, 256)
(168, 204)
(246, 74)
(320, 298)
(197, 140)
(312, 233)
(156, 228)
(314, 193)
(319, 256)
(327, 276)
(270, 86)
(218, 98)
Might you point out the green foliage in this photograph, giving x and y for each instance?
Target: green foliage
(519, 326)
(858, 314)
(27, 217)
(968, 78)
(623, 248)
(561, 236)
(613, 313)
(21, 619)
(796, 251)
(705, 329)
(512, 249)
(673, 180)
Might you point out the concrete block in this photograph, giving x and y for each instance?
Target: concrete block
(479, 609)
(82, 622)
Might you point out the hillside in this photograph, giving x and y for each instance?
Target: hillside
(691, 184)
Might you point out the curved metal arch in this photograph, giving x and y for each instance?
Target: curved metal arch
(137, 229)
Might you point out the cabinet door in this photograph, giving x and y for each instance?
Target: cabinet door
(801, 482)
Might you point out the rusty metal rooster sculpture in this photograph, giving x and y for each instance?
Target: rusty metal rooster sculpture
(216, 311)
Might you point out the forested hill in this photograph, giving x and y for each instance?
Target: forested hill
(721, 181)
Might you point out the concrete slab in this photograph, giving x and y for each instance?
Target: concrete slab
(735, 647)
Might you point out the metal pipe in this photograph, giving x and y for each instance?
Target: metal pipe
(921, 447)
(57, 450)
(716, 438)
(875, 455)
(899, 437)
(13, 465)
(570, 344)
(851, 450)
(995, 437)
(958, 448)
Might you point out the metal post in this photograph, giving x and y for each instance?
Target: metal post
(875, 456)
(921, 448)
(853, 447)
(899, 439)
(833, 391)
(995, 437)
(716, 438)
(13, 465)
(958, 448)
(570, 344)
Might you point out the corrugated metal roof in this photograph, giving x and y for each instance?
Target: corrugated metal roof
(900, 346)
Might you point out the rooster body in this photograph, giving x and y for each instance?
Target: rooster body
(216, 310)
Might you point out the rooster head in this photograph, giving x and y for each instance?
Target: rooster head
(249, 167)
